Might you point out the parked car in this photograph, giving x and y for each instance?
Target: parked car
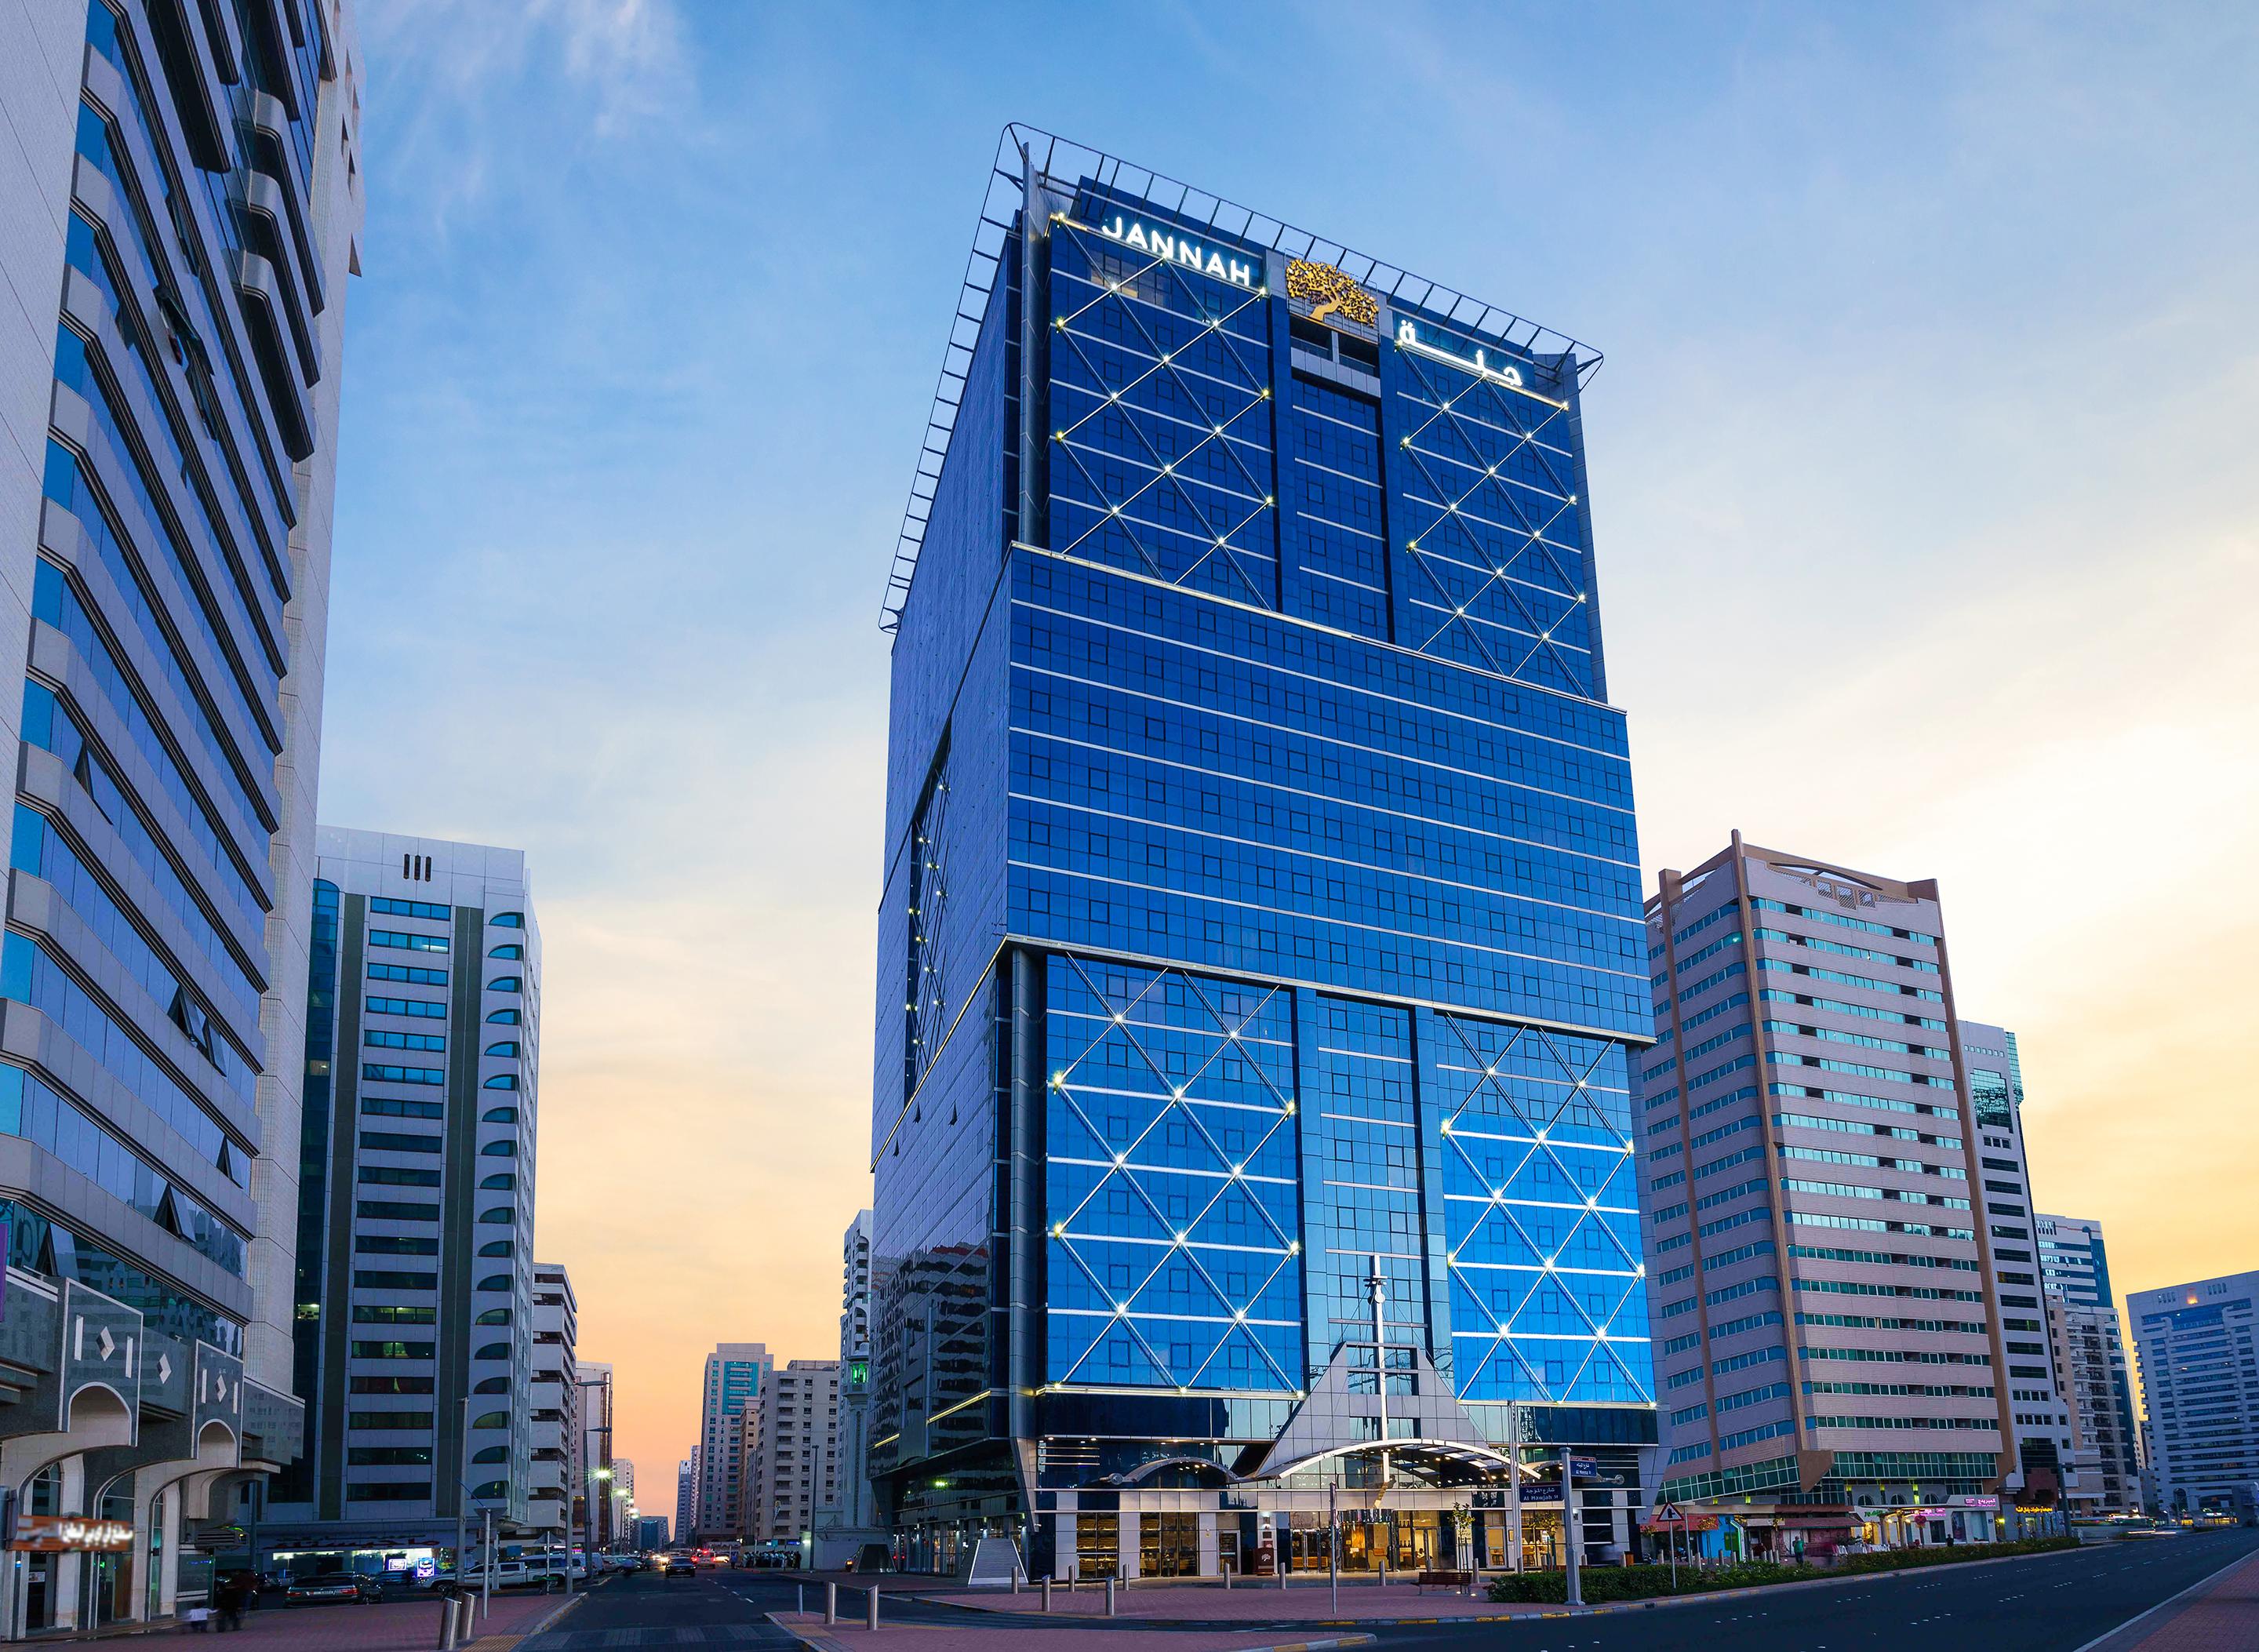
(333, 1587)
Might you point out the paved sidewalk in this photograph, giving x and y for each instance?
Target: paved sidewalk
(2221, 1615)
(919, 1637)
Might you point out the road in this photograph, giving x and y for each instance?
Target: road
(2049, 1603)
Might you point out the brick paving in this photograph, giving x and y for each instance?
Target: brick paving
(397, 1625)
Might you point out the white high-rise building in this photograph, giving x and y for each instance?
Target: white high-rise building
(554, 1400)
(179, 211)
(2199, 1374)
(416, 1322)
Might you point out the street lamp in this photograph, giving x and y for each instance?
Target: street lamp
(597, 1473)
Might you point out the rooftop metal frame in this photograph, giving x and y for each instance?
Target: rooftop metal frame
(1066, 162)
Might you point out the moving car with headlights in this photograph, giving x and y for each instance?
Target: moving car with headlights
(678, 1566)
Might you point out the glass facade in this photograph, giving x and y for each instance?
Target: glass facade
(1262, 885)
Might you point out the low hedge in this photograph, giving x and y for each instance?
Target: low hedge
(1648, 1581)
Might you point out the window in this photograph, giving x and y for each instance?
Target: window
(398, 1176)
(390, 1350)
(387, 1279)
(390, 1385)
(408, 908)
(495, 1248)
(421, 1008)
(491, 1420)
(502, 1018)
(492, 1386)
(493, 1316)
(508, 919)
(379, 1072)
(502, 1183)
(416, 869)
(394, 1210)
(509, 950)
(393, 1244)
(491, 1489)
(388, 1107)
(501, 1081)
(390, 1418)
(404, 1040)
(506, 984)
(508, 1047)
(408, 941)
(386, 1457)
(493, 1350)
(385, 1313)
(497, 1212)
(491, 1454)
(393, 1142)
(499, 1115)
(499, 1149)
(406, 973)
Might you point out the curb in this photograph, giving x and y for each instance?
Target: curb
(816, 1641)
(503, 1641)
(1211, 1626)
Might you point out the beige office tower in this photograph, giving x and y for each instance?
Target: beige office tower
(1828, 1351)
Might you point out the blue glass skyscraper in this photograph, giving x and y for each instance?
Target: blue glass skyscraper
(1261, 933)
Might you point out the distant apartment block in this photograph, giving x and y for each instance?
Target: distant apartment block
(2074, 1264)
(791, 1464)
(731, 1382)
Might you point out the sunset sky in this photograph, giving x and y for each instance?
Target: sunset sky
(1925, 466)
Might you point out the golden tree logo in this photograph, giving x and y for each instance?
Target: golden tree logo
(1328, 291)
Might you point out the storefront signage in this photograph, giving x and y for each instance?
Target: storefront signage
(58, 1534)
(1971, 1499)
(1178, 247)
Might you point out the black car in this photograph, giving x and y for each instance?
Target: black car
(679, 1566)
(333, 1587)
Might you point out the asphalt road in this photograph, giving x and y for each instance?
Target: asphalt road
(642, 1608)
(2049, 1603)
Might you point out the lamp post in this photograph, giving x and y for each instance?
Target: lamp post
(601, 1473)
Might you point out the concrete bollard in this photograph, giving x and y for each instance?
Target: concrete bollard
(832, 1603)
(1047, 1594)
(1227, 1579)
(1016, 1578)
(871, 1607)
(1279, 1566)
(1109, 1597)
(446, 1640)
